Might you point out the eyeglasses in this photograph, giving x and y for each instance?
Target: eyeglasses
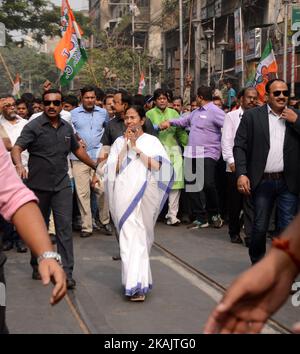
(56, 103)
(285, 93)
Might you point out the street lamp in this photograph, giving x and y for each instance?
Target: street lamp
(208, 34)
(223, 44)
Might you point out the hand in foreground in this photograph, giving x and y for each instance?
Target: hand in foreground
(243, 185)
(254, 296)
(49, 269)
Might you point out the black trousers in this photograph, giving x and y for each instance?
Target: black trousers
(236, 203)
(3, 327)
(200, 181)
(61, 205)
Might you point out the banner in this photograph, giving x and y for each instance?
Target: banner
(266, 70)
(69, 54)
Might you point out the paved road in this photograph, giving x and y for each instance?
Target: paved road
(179, 303)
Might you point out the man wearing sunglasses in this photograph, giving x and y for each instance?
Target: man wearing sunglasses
(267, 157)
(49, 140)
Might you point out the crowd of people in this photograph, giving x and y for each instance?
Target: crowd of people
(110, 161)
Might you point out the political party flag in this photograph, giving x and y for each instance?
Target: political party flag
(69, 54)
(142, 84)
(16, 87)
(266, 70)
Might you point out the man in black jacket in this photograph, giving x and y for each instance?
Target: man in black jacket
(267, 155)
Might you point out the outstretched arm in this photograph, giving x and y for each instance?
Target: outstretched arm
(259, 292)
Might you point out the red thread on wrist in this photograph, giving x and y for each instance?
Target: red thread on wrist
(284, 245)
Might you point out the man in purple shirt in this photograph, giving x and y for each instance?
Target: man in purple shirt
(201, 156)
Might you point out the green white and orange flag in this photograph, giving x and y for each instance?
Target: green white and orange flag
(142, 84)
(69, 54)
(266, 70)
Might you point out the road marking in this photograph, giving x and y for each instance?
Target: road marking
(196, 281)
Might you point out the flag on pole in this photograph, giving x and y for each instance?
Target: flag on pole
(142, 84)
(266, 70)
(16, 87)
(69, 54)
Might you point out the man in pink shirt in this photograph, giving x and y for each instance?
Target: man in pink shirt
(18, 205)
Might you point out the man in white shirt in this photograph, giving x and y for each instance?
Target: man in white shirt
(232, 121)
(13, 125)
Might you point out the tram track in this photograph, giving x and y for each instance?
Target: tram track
(86, 326)
(272, 323)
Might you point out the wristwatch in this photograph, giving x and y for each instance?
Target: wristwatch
(50, 255)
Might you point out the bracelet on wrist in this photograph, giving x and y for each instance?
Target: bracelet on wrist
(284, 245)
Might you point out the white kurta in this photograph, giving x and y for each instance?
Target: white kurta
(136, 196)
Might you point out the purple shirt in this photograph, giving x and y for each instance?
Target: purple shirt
(205, 131)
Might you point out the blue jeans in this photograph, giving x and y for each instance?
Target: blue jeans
(265, 195)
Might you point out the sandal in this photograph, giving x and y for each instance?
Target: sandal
(138, 298)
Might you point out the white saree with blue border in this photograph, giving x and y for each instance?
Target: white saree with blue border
(136, 197)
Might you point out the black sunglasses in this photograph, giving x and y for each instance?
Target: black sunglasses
(285, 93)
(56, 103)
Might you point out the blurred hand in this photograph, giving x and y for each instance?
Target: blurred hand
(131, 134)
(243, 185)
(254, 296)
(289, 115)
(232, 167)
(47, 85)
(94, 181)
(164, 125)
(21, 171)
(49, 269)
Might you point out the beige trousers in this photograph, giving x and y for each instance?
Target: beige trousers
(82, 176)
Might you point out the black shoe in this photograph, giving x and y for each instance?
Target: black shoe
(107, 229)
(71, 284)
(116, 257)
(36, 275)
(84, 234)
(21, 248)
(7, 245)
(235, 239)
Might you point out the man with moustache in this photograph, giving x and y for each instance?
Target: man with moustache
(236, 202)
(267, 162)
(49, 139)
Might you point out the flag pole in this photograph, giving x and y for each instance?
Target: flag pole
(7, 70)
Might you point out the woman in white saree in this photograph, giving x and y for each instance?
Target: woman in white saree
(138, 180)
